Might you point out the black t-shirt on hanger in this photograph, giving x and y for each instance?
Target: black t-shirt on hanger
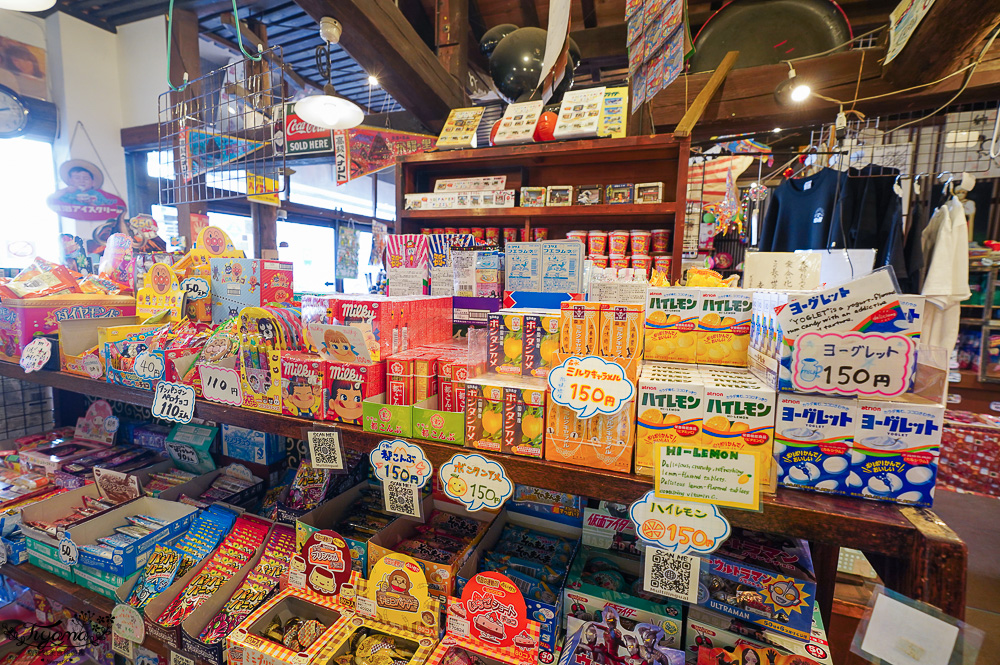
(801, 212)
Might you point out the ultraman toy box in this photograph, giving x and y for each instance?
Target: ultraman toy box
(762, 579)
(606, 641)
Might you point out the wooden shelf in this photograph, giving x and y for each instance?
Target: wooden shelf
(62, 591)
(891, 532)
(556, 213)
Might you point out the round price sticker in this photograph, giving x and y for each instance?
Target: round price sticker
(195, 288)
(400, 460)
(682, 527)
(590, 385)
(476, 482)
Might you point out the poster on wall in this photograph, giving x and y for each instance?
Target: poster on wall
(303, 138)
(22, 68)
(365, 150)
(83, 198)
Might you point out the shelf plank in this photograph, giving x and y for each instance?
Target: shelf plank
(844, 521)
(630, 210)
(62, 591)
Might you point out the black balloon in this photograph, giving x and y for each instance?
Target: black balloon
(516, 64)
(493, 36)
(575, 55)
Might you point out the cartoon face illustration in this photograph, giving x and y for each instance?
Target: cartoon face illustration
(338, 347)
(237, 272)
(216, 348)
(215, 240)
(159, 278)
(346, 400)
(784, 594)
(302, 397)
(399, 582)
(267, 330)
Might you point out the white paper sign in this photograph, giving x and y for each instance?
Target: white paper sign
(901, 634)
(457, 626)
(366, 606)
(721, 477)
(476, 482)
(128, 623)
(93, 367)
(590, 385)
(148, 366)
(195, 288)
(35, 354)
(518, 123)
(69, 554)
(221, 384)
(325, 449)
(397, 459)
(401, 498)
(680, 527)
(853, 363)
(782, 270)
(669, 574)
(173, 402)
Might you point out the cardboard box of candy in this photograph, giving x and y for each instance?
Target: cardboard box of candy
(124, 560)
(762, 579)
(239, 283)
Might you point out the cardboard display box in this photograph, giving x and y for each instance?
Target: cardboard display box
(127, 560)
(325, 516)
(76, 336)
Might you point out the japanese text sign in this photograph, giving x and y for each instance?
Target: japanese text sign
(590, 385)
(221, 384)
(400, 460)
(174, 402)
(853, 363)
(681, 527)
(476, 482)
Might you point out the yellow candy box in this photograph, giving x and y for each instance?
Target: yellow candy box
(724, 327)
(670, 412)
(672, 324)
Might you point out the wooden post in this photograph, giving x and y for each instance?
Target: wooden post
(452, 37)
(265, 217)
(693, 115)
(185, 58)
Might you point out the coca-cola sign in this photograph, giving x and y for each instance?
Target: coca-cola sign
(304, 138)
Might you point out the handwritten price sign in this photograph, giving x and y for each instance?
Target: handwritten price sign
(69, 553)
(195, 288)
(400, 460)
(35, 354)
(148, 365)
(590, 385)
(680, 527)
(221, 384)
(476, 482)
(853, 363)
(174, 402)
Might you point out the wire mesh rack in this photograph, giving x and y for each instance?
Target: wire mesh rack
(25, 408)
(221, 136)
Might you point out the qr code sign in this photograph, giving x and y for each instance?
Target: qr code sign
(325, 450)
(402, 498)
(671, 575)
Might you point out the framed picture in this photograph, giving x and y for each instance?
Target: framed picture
(533, 197)
(618, 194)
(588, 195)
(649, 192)
(560, 195)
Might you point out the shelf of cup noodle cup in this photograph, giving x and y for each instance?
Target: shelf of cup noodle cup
(640, 249)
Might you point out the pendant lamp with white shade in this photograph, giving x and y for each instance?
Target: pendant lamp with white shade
(329, 110)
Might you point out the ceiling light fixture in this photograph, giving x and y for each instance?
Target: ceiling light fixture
(792, 90)
(329, 110)
(372, 81)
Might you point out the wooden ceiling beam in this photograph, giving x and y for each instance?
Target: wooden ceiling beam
(949, 36)
(589, 13)
(529, 14)
(605, 42)
(746, 102)
(382, 42)
(297, 79)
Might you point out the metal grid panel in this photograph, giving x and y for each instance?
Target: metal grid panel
(222, 133)
(25, 408)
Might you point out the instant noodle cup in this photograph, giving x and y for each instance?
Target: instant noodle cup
(642, 262)
(525, 235)
(450, 229)
(597, 242)
(640, 241)
(618, 262)
(465, 230)
(659, 240)
(619, 243)
(599, 260)
(539, 233)
(492, 235)
(426, 231)
(510, 234)
(577, 235)
(479, 233)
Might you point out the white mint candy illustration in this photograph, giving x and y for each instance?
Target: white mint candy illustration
(853, 480)
(835, 465)
(829, 485)
(919, 475)
(910, 497)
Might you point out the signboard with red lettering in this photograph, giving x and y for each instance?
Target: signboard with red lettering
(302, 138)
(328, 562)
(496, 612)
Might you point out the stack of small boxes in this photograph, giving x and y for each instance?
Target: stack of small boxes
(419, 373)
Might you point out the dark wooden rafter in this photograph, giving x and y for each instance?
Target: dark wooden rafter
(589, 13)
(948, 37)
(528, 11)
(379, 38)
(451, 36)
(185, 61)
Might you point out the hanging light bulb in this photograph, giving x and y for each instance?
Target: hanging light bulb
(329, 110)
(792, 90)
(27, 5)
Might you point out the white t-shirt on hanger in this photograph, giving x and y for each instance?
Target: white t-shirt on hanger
(947, 281)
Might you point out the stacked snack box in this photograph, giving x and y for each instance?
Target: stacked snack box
(239, 283)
